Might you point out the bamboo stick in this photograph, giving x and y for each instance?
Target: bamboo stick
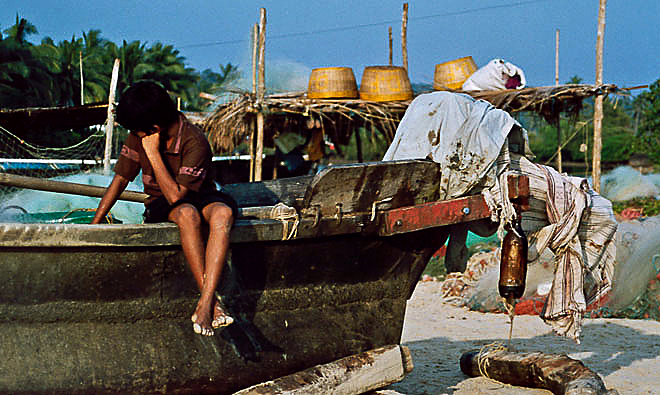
(404, 36)
(358, 145)
(82, 84)
(598, 102)
(389, 33)
(110, 123)
(559, 164)
(557, 57)
(255, 45)
(261, 89)
(252, 124)
(72, 188)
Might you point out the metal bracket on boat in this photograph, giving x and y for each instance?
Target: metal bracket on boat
(317, 214)
(338, 215)
(377, 202)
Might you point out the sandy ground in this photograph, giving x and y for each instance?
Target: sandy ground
(624, 352)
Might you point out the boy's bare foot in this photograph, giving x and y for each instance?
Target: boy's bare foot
(202, 321)
(220, 318)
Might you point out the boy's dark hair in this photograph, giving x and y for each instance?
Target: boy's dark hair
(144, 104)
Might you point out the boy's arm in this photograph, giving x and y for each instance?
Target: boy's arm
(168, 185)
(109, 198)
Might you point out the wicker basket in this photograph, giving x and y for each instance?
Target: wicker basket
(385, 83)
(452, 74)
(332, 83)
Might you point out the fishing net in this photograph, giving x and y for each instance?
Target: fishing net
(635, 294)
(625, 183)
(79, 163)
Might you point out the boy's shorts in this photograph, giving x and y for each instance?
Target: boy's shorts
(159, 209)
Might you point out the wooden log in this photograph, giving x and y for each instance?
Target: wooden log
(389, 33)
(94, 191)
(110, 123)
(261, 90)
(64, 187)
(598, 101)
(559, 374)
(253, 123)
(404, 36)
(355, 374)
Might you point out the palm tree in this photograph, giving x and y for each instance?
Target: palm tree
(131, 57)
(97, 66)
(164, 64)
(65, 66)
(25, 79)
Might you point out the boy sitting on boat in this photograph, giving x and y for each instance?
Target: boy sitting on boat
(175, 159)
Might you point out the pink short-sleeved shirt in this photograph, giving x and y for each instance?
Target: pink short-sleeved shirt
(188, 159)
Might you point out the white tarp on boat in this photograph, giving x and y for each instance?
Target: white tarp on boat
(462, 134)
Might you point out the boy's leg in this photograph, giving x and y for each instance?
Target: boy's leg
(220, 219)
(189, 221)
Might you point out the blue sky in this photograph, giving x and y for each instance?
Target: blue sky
(304, 35)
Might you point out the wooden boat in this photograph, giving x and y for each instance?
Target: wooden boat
(106, 308)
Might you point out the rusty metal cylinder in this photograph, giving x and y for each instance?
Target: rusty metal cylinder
(513, 264)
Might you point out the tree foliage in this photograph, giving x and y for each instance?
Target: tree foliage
(647, 111)
(48, 74)
(630, 125)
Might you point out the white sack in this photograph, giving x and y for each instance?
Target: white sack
(493, 76)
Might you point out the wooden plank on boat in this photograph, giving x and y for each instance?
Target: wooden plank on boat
(267, 193)
(355, 374)
(559, 374)
(423, 216)
(358, 187)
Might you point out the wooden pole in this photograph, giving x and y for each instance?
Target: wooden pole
(255, 54)
(355, 374)
(358, 145)
(559, 166)
(82, 84)
(558, 120)
(404, 36)
(389, 33)
(110, 123)
(557, 57)
(253, 122)
(41, 184)
(261, 89)
(598, 102)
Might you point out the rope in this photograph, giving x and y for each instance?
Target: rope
(284, 213)
(485, 353)
(109, 218)
(510, 309)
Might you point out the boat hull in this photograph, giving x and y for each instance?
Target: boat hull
(100, 311)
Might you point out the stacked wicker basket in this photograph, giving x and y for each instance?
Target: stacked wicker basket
(379, 83)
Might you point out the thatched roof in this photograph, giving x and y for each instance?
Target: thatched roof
(547, 101)
(232, 122)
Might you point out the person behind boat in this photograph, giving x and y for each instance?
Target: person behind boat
(175, 159)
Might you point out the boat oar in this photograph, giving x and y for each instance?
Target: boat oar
(64, 187)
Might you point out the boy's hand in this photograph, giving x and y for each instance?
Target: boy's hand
(151, 143)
